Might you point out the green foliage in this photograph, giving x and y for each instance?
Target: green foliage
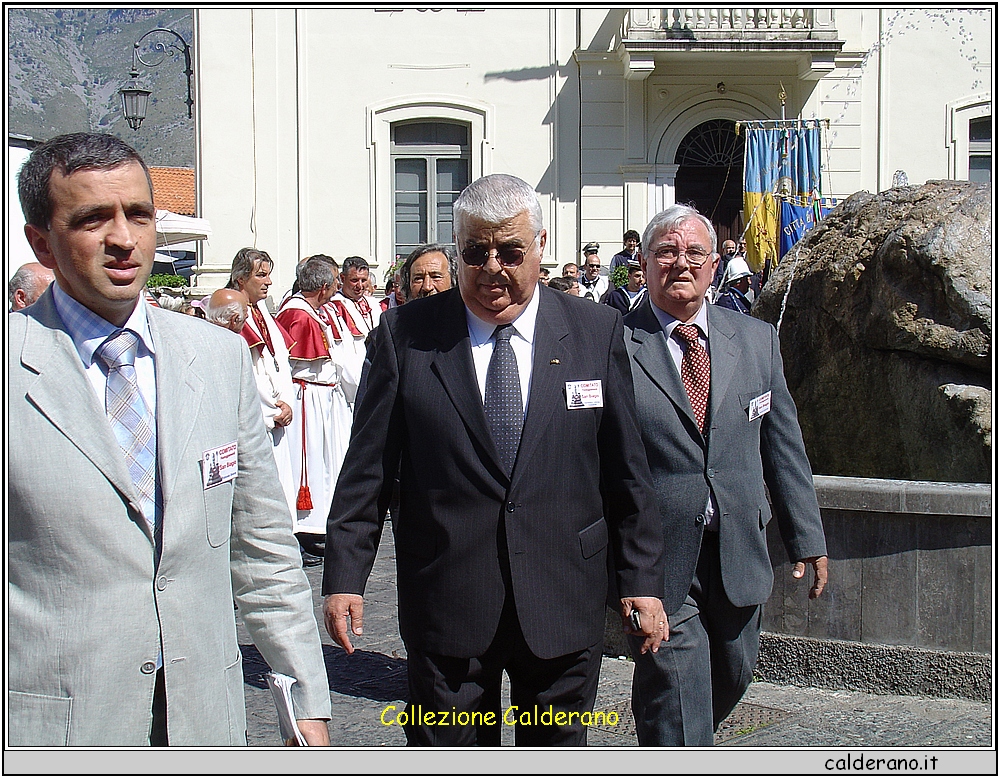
(619, 276)
(165, 279)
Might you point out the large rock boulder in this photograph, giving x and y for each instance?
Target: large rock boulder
(885, 315)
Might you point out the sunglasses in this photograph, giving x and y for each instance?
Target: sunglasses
(508, 256)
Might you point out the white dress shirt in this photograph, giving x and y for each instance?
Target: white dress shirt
(523, 343)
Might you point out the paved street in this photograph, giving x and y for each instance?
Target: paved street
(362, 685)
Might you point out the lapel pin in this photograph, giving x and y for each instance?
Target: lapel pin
(553, 361)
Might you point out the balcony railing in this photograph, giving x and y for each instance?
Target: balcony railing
(729, 23)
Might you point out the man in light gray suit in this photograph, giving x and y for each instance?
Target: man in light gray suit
(129, 533)
(718, 424)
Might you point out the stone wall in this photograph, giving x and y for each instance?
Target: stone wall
(885, 315)
(909, 605)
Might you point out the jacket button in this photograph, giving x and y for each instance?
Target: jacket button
(711, 473)
(148, 667)
(510, 507)
(700, 518)
(161, 583)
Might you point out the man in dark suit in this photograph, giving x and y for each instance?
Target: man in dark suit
(506, 408)
(718, 424)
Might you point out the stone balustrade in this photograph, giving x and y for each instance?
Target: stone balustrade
(722, 23)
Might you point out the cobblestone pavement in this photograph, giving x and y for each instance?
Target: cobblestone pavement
(362, 685)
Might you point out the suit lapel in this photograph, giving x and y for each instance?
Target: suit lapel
(179, 393)
(452, 363)
(64, 395)
(653, 356)
(547, 379)
(724, 356)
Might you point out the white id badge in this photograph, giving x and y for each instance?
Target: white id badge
(219, 465)
(584, 394)
(760, 405)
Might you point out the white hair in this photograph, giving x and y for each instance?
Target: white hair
(672, 218)
(224, 313)
(497, 198)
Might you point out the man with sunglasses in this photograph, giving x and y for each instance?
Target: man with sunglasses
(489, 399)
(592, 284)
(718, 424)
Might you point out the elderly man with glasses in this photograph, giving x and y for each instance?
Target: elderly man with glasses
(489, 399)
(718, 424)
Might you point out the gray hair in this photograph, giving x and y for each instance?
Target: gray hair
(313, 274)
(69, 153)
(245, 265)
(223, 313)
(27, 280)
(672, 218)
(417, 253)
(497, 198)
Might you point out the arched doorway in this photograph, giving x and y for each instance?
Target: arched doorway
(710, 175)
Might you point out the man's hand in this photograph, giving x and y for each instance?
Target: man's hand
(336, 610)
(819, 582)
(314, 731)
(652, 619)
(284, 418)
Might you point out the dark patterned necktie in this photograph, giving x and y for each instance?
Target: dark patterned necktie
(695, 371)
(131, 421)
(502, 402)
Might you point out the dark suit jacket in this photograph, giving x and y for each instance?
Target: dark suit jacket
(463, 523)
(734, 460)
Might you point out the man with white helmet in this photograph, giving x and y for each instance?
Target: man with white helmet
(735, 285)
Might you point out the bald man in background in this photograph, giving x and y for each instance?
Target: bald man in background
(227, 308)
(27, 285)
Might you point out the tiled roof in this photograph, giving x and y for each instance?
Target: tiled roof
(173, 189)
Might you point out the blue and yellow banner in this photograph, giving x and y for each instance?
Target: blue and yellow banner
(780, 162)
(796, 221)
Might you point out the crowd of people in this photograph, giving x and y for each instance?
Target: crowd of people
(540, 456)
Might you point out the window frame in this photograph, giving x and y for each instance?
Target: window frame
(960, 149)
(480, 118)
(430, 154)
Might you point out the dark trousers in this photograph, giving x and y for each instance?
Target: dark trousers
(681, 694)
(158, 729)
(539, 689)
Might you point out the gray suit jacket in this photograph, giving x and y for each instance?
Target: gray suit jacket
(86, 610)
(734, 460)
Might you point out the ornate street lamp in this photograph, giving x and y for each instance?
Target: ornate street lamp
(134, 97)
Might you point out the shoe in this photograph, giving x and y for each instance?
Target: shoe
(310, 560)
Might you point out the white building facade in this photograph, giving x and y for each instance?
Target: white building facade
(350, 131)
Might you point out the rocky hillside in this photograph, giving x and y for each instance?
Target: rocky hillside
(65, 67)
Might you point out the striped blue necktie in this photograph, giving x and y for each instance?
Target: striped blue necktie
(131, 421)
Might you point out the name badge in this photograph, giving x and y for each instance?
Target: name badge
(219, 465)
(584, 394)
(760, 405)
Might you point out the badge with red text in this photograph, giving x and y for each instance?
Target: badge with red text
(219, 465)
(759, 406)
(584, 394)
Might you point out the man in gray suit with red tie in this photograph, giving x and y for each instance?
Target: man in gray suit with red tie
(718, 424)
(506, 408)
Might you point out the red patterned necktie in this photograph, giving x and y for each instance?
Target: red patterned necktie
(695, 371)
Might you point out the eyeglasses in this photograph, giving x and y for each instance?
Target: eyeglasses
(668, 255)
(593, 267)
(508, 256)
